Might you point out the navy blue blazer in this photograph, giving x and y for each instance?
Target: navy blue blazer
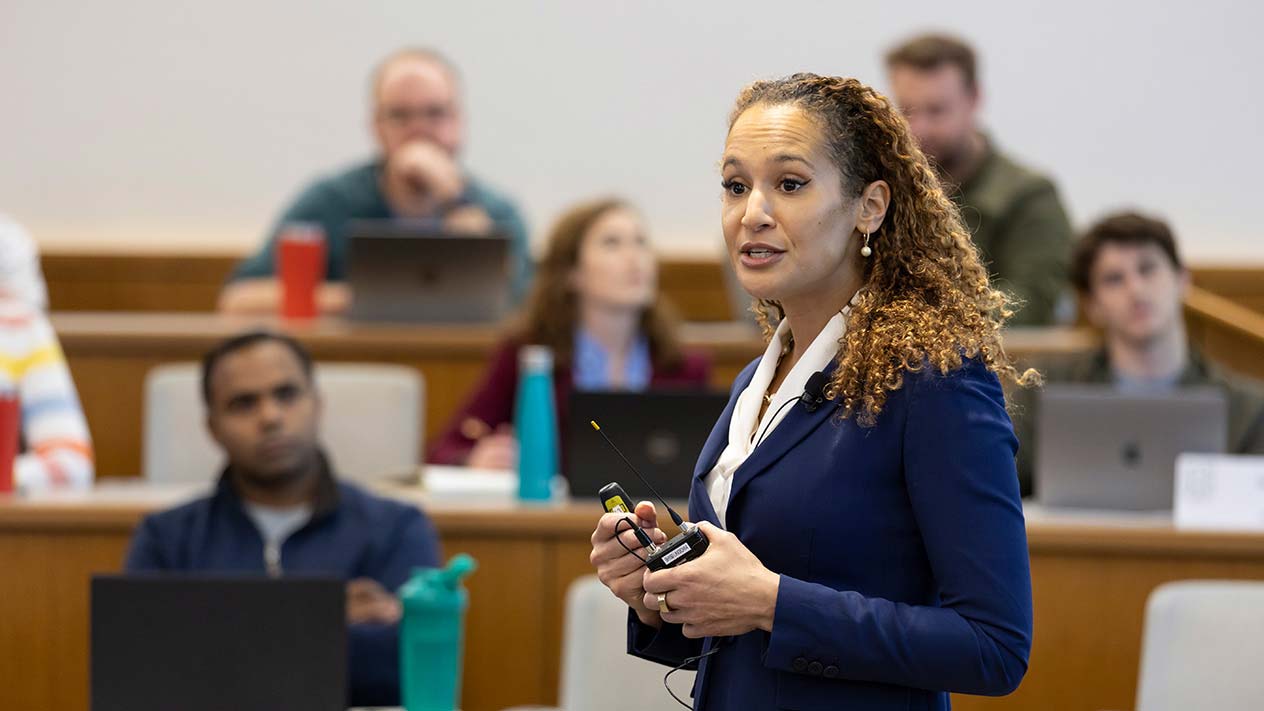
(901, 548)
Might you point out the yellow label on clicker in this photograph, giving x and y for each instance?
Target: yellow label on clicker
(615, 503)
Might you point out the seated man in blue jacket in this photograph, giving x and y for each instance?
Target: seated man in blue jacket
(278, 508)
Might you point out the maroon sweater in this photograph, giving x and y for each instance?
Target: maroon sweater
(492, 401)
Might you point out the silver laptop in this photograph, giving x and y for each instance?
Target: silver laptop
(413, 272)
(1102, 449)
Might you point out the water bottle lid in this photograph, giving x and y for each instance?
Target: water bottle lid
(536, 358)
(438, 586)
(458, 568)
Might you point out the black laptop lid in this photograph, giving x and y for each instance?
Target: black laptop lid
(214, 643)
(409, 271)
(661, 432)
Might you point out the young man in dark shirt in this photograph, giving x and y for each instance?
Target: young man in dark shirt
(1132, 283)
(278, 508)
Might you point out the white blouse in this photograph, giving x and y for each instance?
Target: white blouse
(746, 424)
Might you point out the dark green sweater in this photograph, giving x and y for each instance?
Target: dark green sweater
(1022, 233)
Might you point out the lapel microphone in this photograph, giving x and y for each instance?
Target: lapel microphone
(814, 391)
(812, 397)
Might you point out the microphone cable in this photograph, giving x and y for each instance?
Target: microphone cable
(812, 397)
(682, 665)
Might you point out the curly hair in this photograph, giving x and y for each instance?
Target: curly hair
(927, 300)
(552, 311)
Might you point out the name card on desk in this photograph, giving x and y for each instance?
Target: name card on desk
(1219, 491)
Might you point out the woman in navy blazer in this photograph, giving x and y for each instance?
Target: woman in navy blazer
(868, 549)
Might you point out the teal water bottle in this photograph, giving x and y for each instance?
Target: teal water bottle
(535, 422)
(430, 636)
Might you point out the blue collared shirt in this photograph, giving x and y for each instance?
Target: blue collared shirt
(591, 369)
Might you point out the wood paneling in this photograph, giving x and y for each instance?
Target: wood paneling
(135, 282)
(1243, 285)
(44, 617)
(697, 288)
(1230, 334)
(1090, 584)
(113, 281)
(106, 281)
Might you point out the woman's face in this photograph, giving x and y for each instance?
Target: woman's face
(787, 225)
(616, 267)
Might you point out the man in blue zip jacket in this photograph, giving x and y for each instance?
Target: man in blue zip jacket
(278, 508)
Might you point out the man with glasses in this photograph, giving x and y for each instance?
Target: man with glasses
(419, 127)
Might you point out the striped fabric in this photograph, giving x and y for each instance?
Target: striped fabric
(20, 265)
(57, 448)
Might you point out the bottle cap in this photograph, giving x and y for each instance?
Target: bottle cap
(457, 569)
(535, 358)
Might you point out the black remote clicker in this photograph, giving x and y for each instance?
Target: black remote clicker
(685, 546)
(615, 500)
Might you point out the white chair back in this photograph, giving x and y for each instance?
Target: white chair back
(1203, 647)
(371, 423)
(597, 671)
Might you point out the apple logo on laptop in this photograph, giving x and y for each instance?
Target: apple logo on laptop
(428, 274)
(662, 447)
(1131, 454)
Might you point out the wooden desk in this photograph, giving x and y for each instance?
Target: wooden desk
(135, 278)
(175, 280)
(1090, 576)
(110, 354)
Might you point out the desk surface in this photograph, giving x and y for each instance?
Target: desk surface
(119, 505)
(1091, 574)
(164, 331)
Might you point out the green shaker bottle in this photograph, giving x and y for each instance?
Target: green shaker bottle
(430, 635)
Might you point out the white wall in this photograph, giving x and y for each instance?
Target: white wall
(170, 123)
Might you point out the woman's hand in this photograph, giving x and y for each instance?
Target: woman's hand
(618, 569)
(498, 450)
(726, 591)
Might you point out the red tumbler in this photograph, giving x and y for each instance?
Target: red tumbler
(301, 267)
(10, 419)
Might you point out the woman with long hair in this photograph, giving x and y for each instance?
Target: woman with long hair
(595, 303)
(867, 544)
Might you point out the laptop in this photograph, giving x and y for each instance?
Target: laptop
(410, 271)
(660, 432)
(1102, 449)
(163, 642)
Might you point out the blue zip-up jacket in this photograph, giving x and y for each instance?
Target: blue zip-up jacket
(352, 534)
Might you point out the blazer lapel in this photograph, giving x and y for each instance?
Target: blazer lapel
(797, 424)
(700, 507)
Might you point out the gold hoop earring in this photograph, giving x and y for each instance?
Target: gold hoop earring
(865, 251)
